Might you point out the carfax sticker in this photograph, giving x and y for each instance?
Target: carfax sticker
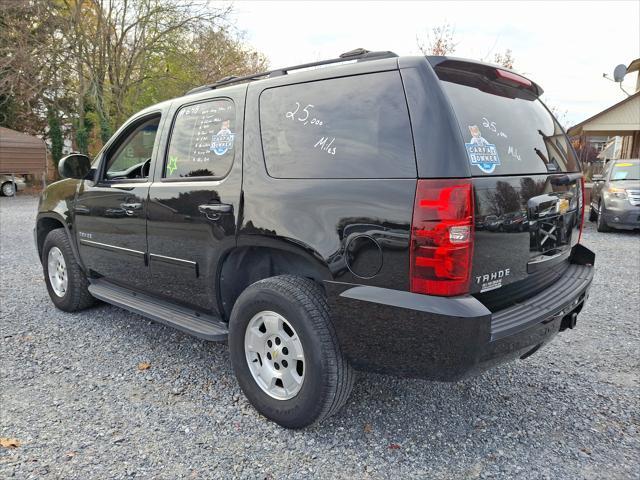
(222, 141)
(482, 154)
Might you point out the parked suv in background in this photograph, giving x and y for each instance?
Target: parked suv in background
(615, 197)
(323, 221)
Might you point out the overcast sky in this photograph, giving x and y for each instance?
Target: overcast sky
(563, 46)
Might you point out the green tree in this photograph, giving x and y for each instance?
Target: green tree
(55, 135)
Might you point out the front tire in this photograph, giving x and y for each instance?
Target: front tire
(66, 282)
(285, 352)
(8, 189)
(602, 226)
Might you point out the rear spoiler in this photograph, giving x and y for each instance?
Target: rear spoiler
(487, 77)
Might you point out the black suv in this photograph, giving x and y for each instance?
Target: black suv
(321, 218)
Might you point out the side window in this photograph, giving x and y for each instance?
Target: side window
(131, 156)
(354, 127)
(202, 140)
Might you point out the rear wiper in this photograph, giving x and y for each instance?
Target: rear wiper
(550, 164)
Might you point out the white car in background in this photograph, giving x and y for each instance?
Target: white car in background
(8, 187)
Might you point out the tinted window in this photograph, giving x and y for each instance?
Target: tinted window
(355, 127)
(134, 149)
(508, 134)
(202, 140)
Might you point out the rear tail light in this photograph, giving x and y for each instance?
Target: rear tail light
(512, 79)
(582, 205)
(442, 237)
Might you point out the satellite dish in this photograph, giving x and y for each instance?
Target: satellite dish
(619, 72)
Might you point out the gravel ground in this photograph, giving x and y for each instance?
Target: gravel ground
(72, 394)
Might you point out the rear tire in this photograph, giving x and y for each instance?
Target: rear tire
(325, 378)
(602, 226)
(66, 282)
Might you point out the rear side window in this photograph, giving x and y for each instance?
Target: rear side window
(354, 127)
(506, 133)
(202, 141)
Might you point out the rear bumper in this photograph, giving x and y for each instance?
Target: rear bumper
(438, 338)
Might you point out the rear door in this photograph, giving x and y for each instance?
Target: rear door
(194, 200)
(527, 181)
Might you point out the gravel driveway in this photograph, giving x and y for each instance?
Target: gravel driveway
(72, 393)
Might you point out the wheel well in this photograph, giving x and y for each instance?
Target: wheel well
(45, 225)
(246, 265)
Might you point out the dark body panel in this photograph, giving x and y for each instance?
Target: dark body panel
(321, 217)
(54, 210)
(110, 213)
(509, 251)
(185, 245)
(439, 145)
(112, 239)
(439, 338)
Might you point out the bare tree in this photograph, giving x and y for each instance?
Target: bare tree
(505, 58)
(561, 115)
(441, 41)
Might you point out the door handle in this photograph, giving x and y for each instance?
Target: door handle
(213, 211)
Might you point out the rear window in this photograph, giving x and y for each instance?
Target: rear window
(354, 127)
(506, 132)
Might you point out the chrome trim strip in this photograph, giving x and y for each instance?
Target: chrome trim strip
(112, 248)
(175, 261)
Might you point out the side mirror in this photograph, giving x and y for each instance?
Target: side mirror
(597, 178)
(75, 165)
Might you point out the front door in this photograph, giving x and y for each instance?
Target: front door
(194, 201)
(110, 211)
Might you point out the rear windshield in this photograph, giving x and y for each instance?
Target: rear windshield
(506, 131)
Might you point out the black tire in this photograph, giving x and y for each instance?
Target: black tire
(602, 226)
(593, 215)
(77, 296)
(4, 189)
(328, 376)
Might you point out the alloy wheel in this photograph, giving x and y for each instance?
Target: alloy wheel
(57, 269)
(275, 355)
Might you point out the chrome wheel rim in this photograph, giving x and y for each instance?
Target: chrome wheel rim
(275, 355)
(57, 270)
(8, 190)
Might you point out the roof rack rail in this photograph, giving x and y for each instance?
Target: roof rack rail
(359, 54)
